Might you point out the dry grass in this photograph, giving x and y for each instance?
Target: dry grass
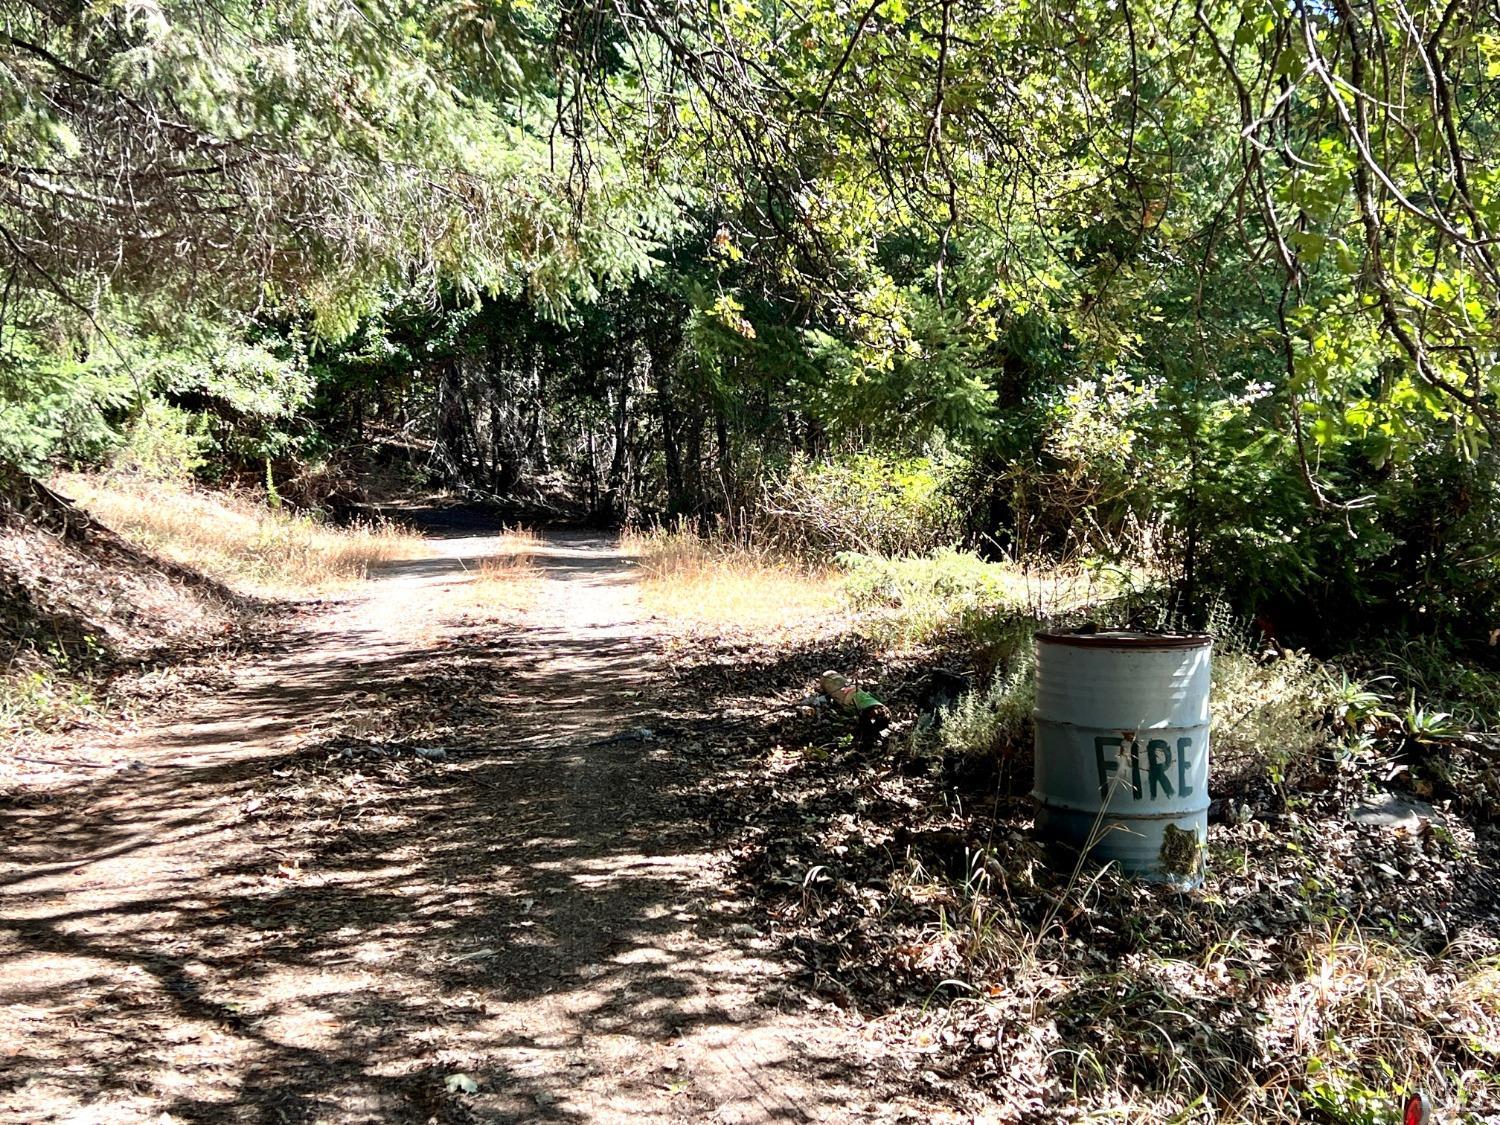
(713, 586)
(1369, 1019)
(704, 587)
(238, 538)
(510, 578)
(1332, 1023)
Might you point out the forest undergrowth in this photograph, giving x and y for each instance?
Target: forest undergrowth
(1326, 969)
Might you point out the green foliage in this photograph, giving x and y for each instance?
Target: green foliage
(1160, 273)
(1266, 716)
(163, 443)
(300, 149)
(1441, 677)
(994, 722)
(206, 400)
(865, 503)
(1356, 708)
(1344, 1097)
(1266, 346)
(56, 406)
(920, 598)
(926, 376)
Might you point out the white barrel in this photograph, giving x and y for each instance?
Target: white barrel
(1122, 749)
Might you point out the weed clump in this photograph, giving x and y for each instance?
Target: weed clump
(985, 737)
(1267, 716)
(40, 698)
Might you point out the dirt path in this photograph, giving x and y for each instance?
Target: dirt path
(285, 913)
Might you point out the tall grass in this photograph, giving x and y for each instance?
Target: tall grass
(238, 538)
(709, 587)
(897, 600)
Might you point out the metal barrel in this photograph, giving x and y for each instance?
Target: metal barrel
(1122, 749)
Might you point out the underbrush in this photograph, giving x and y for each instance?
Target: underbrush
(1324, 970)
(715, 587)
(902, 600)
(1278, 716)
(1430, 672)
(868, 502)
(919, 599)
(1268, 716)
(1149, 1008)
(240, 539)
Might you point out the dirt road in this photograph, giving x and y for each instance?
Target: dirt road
(415, 867)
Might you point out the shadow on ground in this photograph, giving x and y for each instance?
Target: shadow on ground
(453, 882)
(442, 889)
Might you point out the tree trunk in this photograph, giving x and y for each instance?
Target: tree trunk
(725, 461)
(614, 484)
(692, 461)
(666, 409)
(541, 455)
(449, 449)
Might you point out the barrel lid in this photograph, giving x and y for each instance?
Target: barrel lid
(1125, 638)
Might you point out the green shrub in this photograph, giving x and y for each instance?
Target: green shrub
(994, 724)
(164, 443)
(919, 598)
(1267, 716)
(867, 503)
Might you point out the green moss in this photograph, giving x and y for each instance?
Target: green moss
(1181, 853)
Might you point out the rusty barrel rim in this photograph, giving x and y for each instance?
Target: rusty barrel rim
(1126, 638)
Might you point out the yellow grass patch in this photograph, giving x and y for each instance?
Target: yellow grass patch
(238, 538)
(709, 588)
(510, 578)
